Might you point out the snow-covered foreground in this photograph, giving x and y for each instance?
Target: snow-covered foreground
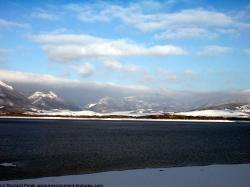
(198, 176)
(215, 113)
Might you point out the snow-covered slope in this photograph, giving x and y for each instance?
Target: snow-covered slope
(215, 113)
(2, 84)
(49, 101)
(228, 106)
(225, 110)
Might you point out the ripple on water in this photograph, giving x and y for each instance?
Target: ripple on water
(7, 164)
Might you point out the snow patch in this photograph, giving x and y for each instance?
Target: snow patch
(91, 105)
(6, 85)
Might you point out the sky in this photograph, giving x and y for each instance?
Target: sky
(179, 45)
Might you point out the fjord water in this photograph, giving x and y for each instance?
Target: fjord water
(39, 148)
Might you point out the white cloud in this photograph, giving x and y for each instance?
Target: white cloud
(45, 15)
(89, 17)
(156, 18)
(188, 73)
(164, 75)
(69, 47)
(148, 78)
(66, 39)
(186, 33)
(197, 17)
(59, 30)
(50, 80)
(214, 50)
(9, 24)
(167, 75)
(247, 51)
(17, 76)
(115, 65)
(3, 51)
(84, 70)
(228, 31)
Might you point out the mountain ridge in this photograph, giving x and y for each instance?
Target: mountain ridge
(42, 101)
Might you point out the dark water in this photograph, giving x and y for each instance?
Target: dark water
(41, 148)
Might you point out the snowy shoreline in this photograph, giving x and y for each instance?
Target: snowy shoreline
(119, 119)
(195, 176)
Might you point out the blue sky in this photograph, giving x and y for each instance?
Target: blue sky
(174, 44)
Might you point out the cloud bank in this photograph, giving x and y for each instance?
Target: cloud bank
(66, 48)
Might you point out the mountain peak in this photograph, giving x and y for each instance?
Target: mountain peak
(47, 94)
(6, 85)
(48, 100)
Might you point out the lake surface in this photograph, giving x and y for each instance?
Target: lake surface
(40, 148)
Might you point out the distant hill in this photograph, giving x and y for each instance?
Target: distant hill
(139, 104)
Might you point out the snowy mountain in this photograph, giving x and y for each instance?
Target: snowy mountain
(225, 105)
(138, 104)
(48, 100)
(11, 100)
(39, 95)
(108, 104)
